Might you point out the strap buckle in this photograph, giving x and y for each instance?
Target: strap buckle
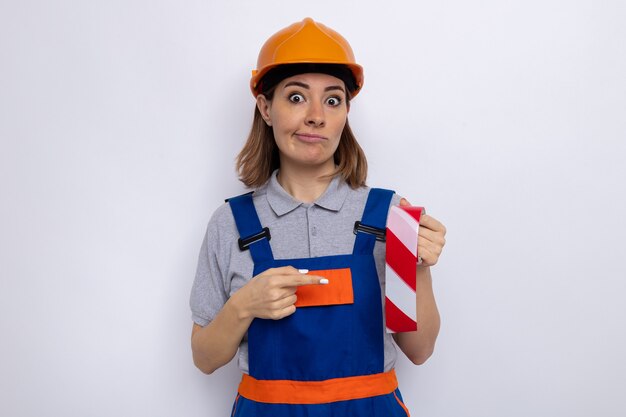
(379, 233)
(246, 242)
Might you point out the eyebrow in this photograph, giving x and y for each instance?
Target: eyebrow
(303, 85)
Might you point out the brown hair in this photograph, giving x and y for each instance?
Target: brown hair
(259, 157)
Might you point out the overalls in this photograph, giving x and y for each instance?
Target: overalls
(326, 359)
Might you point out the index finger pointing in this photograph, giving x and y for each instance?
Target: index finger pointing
(311, 280)
(297, 280)
(291, 277)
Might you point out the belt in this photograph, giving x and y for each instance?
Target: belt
(317, 392)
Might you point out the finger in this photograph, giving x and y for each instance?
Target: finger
(428, 258)
(431, 223)
(284, 276)
(287, 311)
(298, 279)
(285, 302)
(430, 252)
(426, 255)
(433, 247)
(285, 292)
(310, 280)
(404, 202)
(431, 236)
(283, 270)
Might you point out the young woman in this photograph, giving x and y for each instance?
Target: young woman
(285, 276)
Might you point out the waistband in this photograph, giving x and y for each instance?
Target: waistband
(317, 392)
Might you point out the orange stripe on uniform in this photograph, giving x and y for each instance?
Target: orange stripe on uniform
(235, 406)
(317, 392)
(337, 291)
(406, 410)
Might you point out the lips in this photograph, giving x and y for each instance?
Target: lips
(310, 137)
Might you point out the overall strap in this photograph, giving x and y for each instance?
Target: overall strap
(374, 221)
(252, 235)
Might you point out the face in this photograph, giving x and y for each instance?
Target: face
(307, 114)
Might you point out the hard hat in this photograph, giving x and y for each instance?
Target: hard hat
(306, 42)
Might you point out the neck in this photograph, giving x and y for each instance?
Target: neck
(305, 184)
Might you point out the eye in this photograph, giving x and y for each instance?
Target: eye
(333, 101)
(296, 98)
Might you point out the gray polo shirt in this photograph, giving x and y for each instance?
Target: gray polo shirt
(299, 230)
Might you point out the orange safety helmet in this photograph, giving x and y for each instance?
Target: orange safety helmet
(306, 42)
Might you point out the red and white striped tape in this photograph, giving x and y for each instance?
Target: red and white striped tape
(401, 266)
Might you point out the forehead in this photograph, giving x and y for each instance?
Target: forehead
(313, 80)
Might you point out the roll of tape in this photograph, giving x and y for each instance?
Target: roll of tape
(402, 258)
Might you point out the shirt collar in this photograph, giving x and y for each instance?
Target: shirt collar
(282, 202)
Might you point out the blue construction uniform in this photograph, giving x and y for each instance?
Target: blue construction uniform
(319, 345)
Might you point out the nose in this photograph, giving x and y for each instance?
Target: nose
(315, 115)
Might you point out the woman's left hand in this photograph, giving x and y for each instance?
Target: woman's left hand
(431, 238)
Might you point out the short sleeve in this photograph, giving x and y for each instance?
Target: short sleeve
(208, 294)
(395, 200)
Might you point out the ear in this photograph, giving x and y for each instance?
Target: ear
(264, 105)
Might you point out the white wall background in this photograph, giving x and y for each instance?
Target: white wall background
(119, 124)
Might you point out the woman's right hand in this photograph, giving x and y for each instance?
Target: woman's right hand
(272, 293)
